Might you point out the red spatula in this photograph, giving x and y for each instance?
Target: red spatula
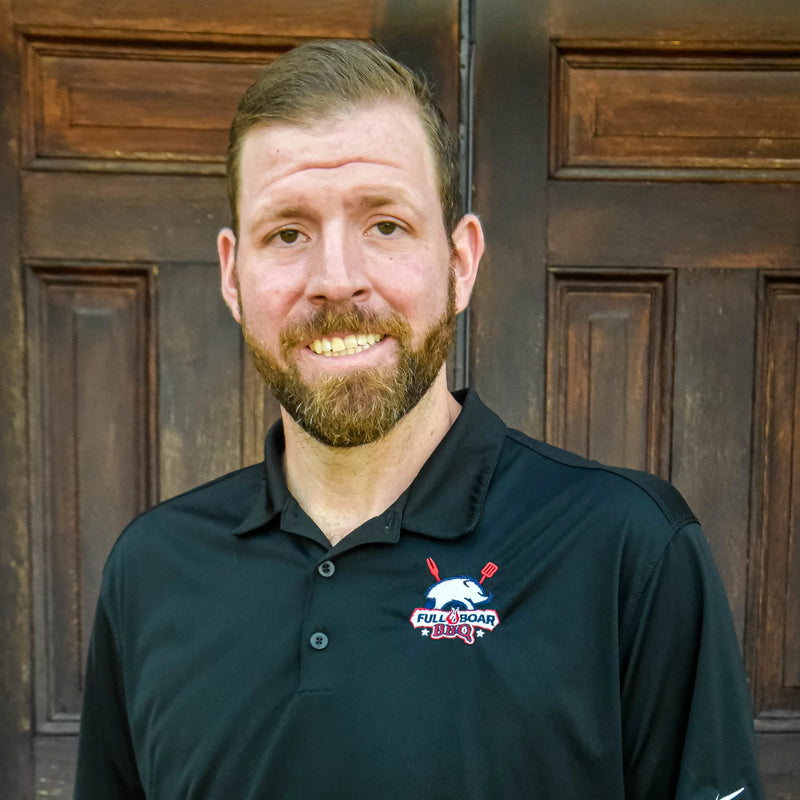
(488, 571)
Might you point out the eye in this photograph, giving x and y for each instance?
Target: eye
(289, 235)
(387, 228)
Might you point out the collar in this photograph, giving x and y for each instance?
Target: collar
(446, 498)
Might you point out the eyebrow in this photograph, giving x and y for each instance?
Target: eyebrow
(268, 216)
(286, 212)
(399, 197)
(378, 200)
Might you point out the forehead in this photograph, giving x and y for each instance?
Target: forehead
(384, 143)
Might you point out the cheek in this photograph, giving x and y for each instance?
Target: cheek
(259, 318)
(268, 300)
(415, 287)
(429, 302)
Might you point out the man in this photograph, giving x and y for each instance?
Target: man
(406, 599)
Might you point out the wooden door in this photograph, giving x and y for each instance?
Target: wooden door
(636, 166)
(124, 379)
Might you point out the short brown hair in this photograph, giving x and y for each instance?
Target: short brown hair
(320, 79)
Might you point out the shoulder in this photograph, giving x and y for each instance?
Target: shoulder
(209, 510)
(622, 526)
(626, 491)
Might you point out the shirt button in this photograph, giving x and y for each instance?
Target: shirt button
(319, 641)
(326, 569)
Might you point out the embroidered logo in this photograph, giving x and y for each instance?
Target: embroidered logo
(731, 796)
(454, 607)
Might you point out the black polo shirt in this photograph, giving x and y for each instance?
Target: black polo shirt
(522, 623)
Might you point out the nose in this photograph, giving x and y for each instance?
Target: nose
(338, 273)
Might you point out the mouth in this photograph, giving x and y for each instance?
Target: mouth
(345, 345)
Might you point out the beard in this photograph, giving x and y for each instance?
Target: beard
(361, 406)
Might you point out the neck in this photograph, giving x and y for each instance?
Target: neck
(342, 487)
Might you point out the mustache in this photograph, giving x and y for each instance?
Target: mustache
(327, 321)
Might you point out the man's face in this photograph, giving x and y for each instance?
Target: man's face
(343, 280)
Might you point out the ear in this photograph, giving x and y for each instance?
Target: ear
(226, 248)
(468, 241)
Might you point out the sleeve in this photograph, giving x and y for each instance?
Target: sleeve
(687, 717)
(106, 762)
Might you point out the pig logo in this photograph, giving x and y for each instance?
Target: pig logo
(450, 607)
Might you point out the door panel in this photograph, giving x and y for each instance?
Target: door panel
(91, 375)
(777, 511)
(104, 103)
(649, 109)
(609, 363)
(659, 139)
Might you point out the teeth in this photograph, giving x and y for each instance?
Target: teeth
(348, 346)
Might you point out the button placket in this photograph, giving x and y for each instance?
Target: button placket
(317, 660)
(318, 639)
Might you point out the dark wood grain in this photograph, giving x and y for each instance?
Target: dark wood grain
(609, 362)
(672, 145)
(139, 386)
(54, 758)
(687, 224)
(778, 762)
(146, 104)
(314, 18)
(155, 218)
(200, 379)
(507, 349)
(424, 35)
(91, 192)
(777, 539)
(665, 111)
(15, 570)
(90, 377)
(712, 413)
